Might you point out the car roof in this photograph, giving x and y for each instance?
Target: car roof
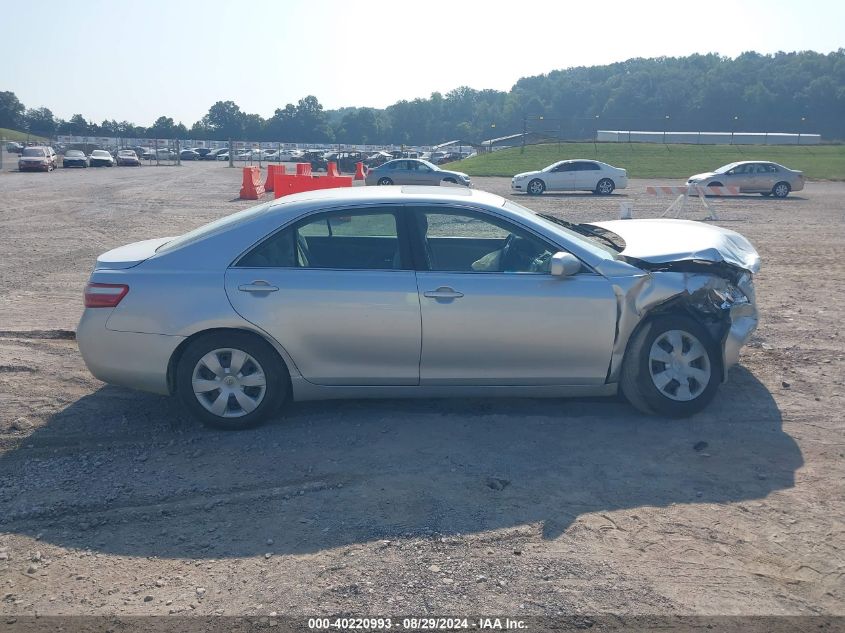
(407, 194)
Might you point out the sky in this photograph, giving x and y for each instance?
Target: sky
(137, 61)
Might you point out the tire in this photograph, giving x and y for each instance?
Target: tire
(209, 406)
(605, 187)
(385, 181)
(536, 187)
(781, 190)
(654, 386)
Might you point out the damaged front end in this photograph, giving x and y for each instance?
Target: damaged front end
(717, 295)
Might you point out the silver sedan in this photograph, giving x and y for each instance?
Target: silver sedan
(414, 171)
(768, 179)
(419, 292)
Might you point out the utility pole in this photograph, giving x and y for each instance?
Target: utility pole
(524, 131)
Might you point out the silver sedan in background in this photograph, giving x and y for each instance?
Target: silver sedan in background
(414, 171)
(765, 178)
(419, 292)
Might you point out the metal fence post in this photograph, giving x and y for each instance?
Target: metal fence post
(231, 154)
(178, 153)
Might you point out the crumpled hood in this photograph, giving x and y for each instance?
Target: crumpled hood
(659, 241)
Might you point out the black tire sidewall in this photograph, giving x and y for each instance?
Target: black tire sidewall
(539, 193)
(655, 400)
(274, 370)
(612, 187)
(774, 189)
(385, 181)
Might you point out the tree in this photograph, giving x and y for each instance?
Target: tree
(11, 111)
(40, 121)
(162, 128)
(225, 120)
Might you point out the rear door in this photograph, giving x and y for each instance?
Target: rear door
(337, 291)
(587, 174)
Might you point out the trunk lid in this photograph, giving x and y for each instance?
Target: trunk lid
(662, 241)
(129, 255)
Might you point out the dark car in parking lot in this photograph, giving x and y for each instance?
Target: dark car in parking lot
(74, 158)
(127, 158)
(189, 154)
(202, 151)
(317, 160)
(14, 147)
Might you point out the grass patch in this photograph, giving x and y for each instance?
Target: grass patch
(649, 160)
(14, 135)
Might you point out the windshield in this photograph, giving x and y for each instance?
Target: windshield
(33, 151)
(429, 165)
(587, 238)
(99, 152)
(126, 152)
(553, 165)
(214, 227)
(74, 152)
(725, 168)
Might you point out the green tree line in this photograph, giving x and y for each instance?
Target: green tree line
(784, 92)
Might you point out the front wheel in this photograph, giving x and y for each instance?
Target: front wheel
(231, 380)
(781, 190)
(536, 187)
(385, 181)
(671, 367)
(605, 187)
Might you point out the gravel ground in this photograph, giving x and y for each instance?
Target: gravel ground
(114, 502)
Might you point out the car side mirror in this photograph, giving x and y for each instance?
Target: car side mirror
(564, 264)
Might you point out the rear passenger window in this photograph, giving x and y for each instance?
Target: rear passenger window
(345, 240)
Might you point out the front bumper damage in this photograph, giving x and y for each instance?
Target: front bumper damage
(723, 302)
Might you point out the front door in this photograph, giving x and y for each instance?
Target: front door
(562, 177)
(493, 315)
(336, 290)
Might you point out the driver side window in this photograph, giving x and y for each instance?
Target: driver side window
(466, 241)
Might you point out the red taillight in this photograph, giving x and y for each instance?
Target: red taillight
(104, 295)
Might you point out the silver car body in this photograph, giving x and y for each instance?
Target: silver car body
(751, 176)
(390, 332)
(572, 175)
(414, 171)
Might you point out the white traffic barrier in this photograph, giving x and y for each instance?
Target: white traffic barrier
(626, 210)
(683, 194)
(678, 191)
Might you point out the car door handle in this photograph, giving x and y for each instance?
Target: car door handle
(257, 286)
(443, 292)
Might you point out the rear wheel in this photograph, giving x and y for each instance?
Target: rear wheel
(536, 187)
(385, 181)
(605, 187)
(231, 380)
(671, 367)
(781, 190)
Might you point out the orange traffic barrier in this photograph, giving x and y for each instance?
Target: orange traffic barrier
(252, 189)
(272, 170)
(331, 170)
(286, 184)
(303, 169)
(360, 171)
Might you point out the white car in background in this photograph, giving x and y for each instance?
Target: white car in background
(572, 175)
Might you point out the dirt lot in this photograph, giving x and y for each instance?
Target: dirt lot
(115, 502)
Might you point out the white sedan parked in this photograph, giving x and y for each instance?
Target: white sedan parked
(572, 175)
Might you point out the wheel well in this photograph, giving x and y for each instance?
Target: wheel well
(681, 306)
(176, 356)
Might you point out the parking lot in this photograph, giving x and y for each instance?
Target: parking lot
(116, 502)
